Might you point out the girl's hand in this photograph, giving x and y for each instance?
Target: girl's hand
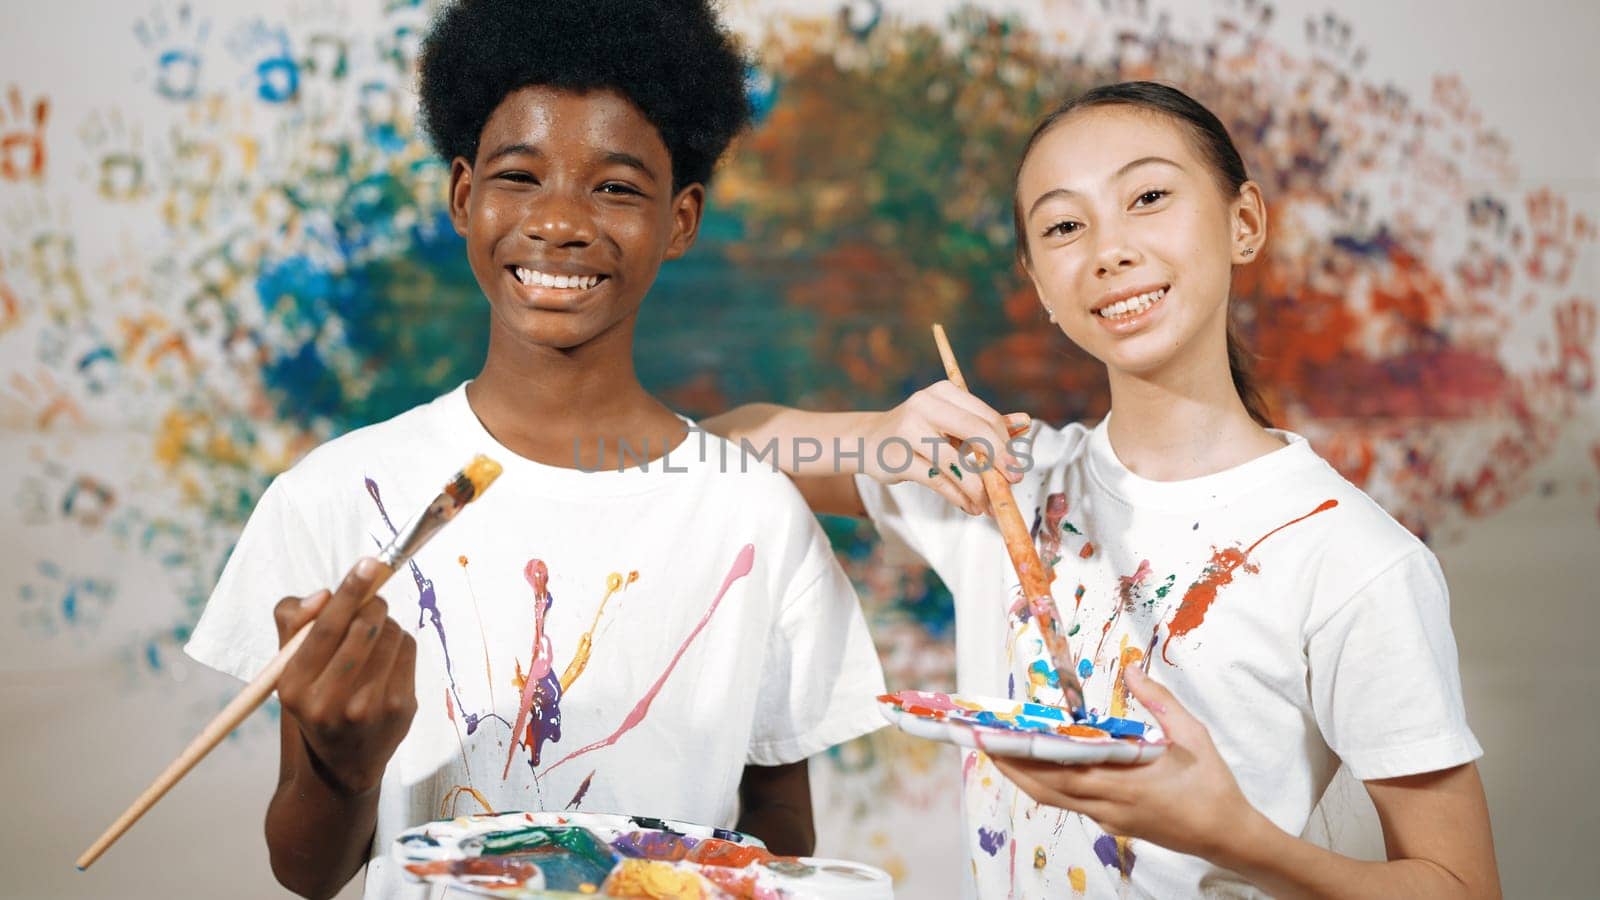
(1186, 800)
(923, 438)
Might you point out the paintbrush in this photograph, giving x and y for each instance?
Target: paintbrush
(1024, 558)
(466, 486)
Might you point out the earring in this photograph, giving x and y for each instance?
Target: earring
(1050, 314)
(1247, 251)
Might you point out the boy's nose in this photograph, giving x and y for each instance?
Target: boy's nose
(561, 222)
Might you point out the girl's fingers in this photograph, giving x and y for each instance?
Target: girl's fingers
(971, 419)
(1048, 790)
(1178, 723)
(959, 493)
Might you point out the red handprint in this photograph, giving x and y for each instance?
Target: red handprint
(1575, 331)
(22, 151)
(10, 308)
(1555, 237)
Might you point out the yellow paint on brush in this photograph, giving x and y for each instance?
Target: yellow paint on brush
(482, 472)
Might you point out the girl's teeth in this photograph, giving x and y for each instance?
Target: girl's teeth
(1132, 305)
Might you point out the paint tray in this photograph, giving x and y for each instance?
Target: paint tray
(1017, 728)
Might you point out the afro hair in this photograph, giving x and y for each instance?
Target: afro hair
(671, 58)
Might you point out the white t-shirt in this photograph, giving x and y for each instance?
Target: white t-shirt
(680, 691)
(1281, 605)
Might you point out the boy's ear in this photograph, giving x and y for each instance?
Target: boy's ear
(460, 193)
(686, 209)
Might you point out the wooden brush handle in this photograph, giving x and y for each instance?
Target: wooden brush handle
(232, 716)
(1019, 546)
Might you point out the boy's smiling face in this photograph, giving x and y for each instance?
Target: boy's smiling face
(568, 212)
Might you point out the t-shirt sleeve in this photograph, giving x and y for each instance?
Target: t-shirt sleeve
(1385, 686)
(911, 518)
(822, 678)
(277, 556)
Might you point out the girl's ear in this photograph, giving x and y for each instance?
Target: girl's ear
(1026, 265)
(1248, 219)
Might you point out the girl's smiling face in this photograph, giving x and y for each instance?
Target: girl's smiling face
(1131, 240)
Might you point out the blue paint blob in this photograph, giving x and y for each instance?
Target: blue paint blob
(991, 841)
(1106, 850)
(1117, 727)
(1040, 711)
(1085, 667)
(1043, 670)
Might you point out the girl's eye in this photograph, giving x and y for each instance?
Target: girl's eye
(1149, 197)
(1062, 229)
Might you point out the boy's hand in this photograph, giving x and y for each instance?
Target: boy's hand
(935, 424)
(351, 686)
(1186, 800)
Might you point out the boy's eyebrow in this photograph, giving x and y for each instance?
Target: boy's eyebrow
(514, 150)
(1068, 192)
(631, 161)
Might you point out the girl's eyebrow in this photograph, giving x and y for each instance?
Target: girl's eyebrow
(1068, 192)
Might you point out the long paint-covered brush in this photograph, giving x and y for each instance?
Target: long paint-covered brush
(1024, 558)
(466, 486)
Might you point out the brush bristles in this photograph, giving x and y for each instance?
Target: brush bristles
(471, 482)
(482, 472)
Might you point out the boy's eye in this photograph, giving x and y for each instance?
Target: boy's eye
(1149, 197)
(615, 187)
(518, 177)
(1062, 229)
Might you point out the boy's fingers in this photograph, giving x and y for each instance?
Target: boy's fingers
(292, 613)
(341, 676)
(326, 635)
(366, 701)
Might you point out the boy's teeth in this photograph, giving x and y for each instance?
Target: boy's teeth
(1132, 305)
(568, 282)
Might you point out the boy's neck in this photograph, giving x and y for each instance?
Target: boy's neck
(1184, 424)
(571, 408)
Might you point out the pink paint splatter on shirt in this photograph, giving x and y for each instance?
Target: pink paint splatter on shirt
(541, 691)
(742, 566)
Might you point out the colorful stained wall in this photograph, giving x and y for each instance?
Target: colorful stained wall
(222, 242)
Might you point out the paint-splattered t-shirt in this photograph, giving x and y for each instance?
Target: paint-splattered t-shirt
(607, 641)
(1279, 603)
